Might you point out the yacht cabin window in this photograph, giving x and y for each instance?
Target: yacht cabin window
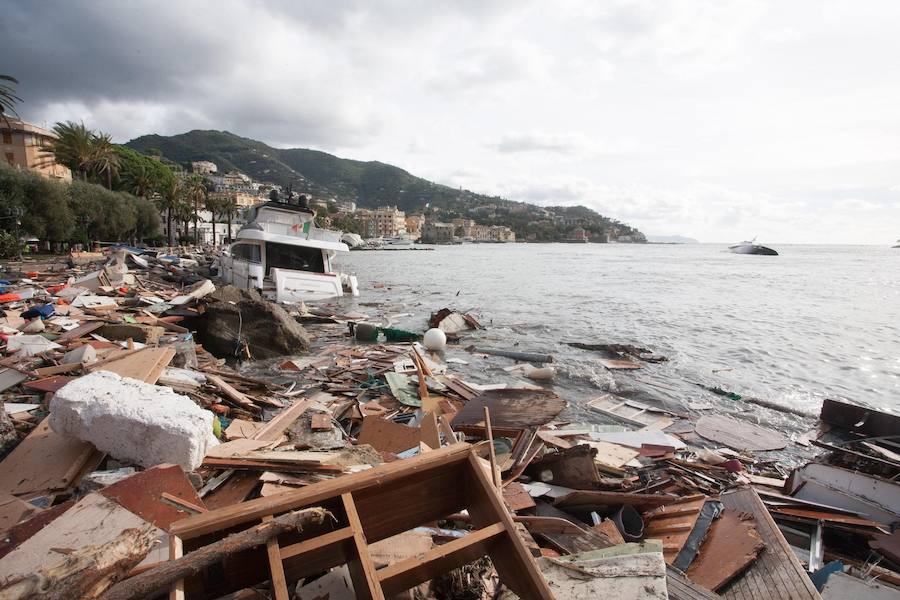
(248, 252)
(296, 258)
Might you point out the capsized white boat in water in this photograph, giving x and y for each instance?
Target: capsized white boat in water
(281, 253)
(752, 247)
(897, 245)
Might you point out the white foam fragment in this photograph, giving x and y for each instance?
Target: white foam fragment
(133, 421)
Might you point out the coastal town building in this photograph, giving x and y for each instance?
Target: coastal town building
(414, 226)
(22, 146)
(502, 233)
(366, 222)
(577, 235)
(346, 207)
(389, 221)
(437, 233)
(204, 167)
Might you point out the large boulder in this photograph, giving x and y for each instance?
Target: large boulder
(235, 316)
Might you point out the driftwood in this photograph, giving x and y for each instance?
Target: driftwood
(85, 573)
(151, 582)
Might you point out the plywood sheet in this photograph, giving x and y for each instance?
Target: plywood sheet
(739, 435)
(92, 521)
(141, 494)
(388, 436)
(777, 574)
(43, 461)
(731, 545)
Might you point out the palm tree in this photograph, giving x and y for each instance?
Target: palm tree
(138, 181)
(104, 158)
(195, 194)
(169, 200)
(229, 207)
(8, 98)
(73, 147)
(214, 206)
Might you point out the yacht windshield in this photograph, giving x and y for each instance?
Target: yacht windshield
(297, 258)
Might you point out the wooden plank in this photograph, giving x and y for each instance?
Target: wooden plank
(11, 377)
(44, 461)
(594, 500)
(383, 475)
(777, 573)
(81, 331)
(362, 569)
(146, 364)
(513, 408)
(273, 430)
(276, 568)
(731, 545)
(230, 392)
(176, 550)
(673, 523)
(57, 370)
(409, 573)
(513, 562)
(337, 536)
(680, 587)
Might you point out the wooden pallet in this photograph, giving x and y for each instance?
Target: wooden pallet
(368, 506)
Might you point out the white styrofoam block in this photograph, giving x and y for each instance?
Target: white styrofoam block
(133, 421)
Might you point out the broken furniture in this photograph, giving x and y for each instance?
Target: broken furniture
(370, 506)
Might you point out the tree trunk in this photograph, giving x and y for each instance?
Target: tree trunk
(169, 225)
(213, 229)
(149, 583)
(196, 215)
(109, 178)
(230, 215)
(84, 573)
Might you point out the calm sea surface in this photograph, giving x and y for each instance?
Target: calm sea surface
(814, 322)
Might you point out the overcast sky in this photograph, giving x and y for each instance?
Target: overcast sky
(714, 119)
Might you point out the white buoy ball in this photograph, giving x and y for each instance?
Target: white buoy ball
(435, 340)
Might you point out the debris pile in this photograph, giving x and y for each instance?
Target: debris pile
(136, 461)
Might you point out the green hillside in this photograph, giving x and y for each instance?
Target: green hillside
(323, 175)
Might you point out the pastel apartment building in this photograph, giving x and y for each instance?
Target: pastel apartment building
(22, 146)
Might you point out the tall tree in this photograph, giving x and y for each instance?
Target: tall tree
(169, 200)
(195, 194)
(104, 158)
(8, 98)
(73, 147)
(229, 207)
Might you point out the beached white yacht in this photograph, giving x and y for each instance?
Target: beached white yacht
(283, 254)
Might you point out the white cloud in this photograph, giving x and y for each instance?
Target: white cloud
(719, 120)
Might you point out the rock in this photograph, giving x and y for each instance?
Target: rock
(82, 354)
(234, 316)
(145, 334)
(8, 437)
(133, 421)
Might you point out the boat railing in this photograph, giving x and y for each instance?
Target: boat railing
(297, 230)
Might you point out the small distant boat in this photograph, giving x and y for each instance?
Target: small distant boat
(897, 245)
(752, 247)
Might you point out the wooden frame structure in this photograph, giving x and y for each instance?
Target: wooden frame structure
(368, 507)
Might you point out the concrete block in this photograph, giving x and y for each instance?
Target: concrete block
(82, 354)
(133, 421)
